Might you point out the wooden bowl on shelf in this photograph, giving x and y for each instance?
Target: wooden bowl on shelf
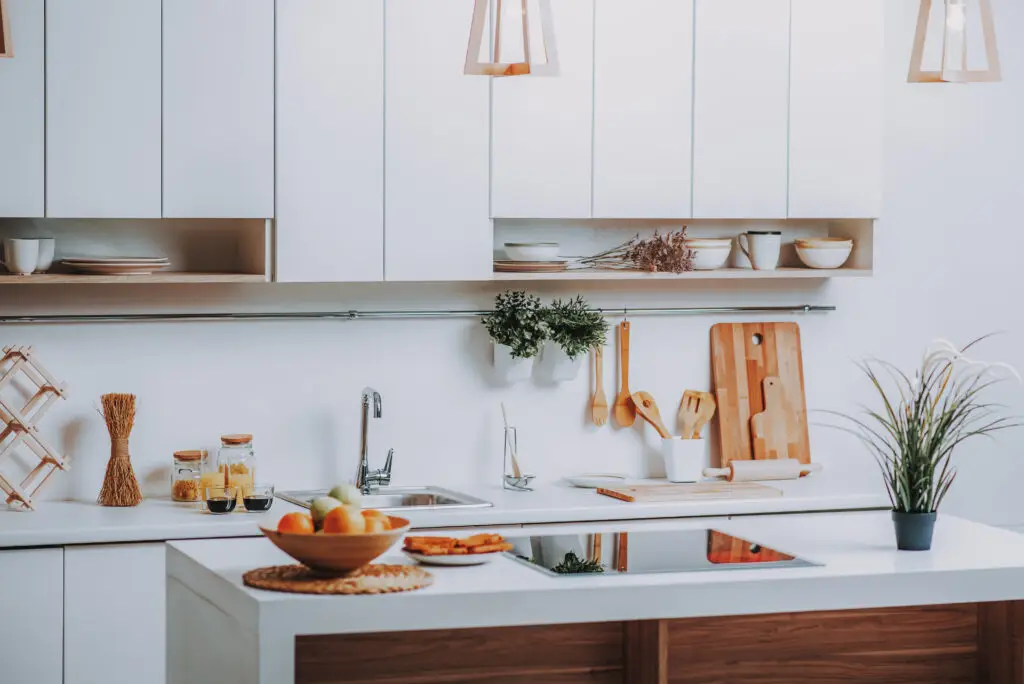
(338, 553)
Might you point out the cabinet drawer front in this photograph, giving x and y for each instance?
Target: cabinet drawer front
(741, 109)
(103, 108)
(22, 115)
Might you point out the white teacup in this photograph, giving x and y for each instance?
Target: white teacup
(762, 248)
(21, 256)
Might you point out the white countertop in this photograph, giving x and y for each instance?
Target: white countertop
(861, 568)
(57, 523)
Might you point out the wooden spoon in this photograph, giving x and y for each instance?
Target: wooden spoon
(648, 410)
(625, 411)
(689, 413)
(599, 404)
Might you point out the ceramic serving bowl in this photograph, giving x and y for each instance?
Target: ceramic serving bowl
(532, 251)
(824, 242)
(709, 253)
(829, 255)
(338, 553)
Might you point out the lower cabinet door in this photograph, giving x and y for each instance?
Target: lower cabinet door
(31, 603)
(114, 614)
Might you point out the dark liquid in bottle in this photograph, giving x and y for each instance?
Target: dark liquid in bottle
(221, 504)
(257, 503)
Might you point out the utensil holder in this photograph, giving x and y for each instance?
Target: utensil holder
(509, 480)
(685, 459)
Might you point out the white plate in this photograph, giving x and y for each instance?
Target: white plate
(595, 480)
(115, 260)
(460, 559)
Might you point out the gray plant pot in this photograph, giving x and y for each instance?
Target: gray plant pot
(914, 530)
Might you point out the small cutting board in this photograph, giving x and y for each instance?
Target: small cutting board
(743, 355)
(701, 491)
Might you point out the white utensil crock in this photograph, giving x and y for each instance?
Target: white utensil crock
(685, 459)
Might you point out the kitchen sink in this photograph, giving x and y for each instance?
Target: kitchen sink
(397, 498)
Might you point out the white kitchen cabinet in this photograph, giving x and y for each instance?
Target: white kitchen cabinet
(32, 606)
(22, 118)
(437, 161)
(102, 108)
(330, 140)
(835, 144)
(542, 127)
(114, 614)
(741, 108)
(218, 108)
(643, 106)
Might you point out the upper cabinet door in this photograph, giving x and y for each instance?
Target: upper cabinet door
(330, 140)
(22, 118)
(102, 108)
(218, 108)
(542, 126)
(836, 109)
(643, 106)
(437, 212)
(741, 109)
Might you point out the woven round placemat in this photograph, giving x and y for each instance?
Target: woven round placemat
(370, 579)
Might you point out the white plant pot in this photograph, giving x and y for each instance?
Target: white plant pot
(685, 459)
(562, 368)
(509, 368)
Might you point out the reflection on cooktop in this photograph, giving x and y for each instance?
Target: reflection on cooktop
(647, 552)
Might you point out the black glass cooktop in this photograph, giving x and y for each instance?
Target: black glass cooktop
(647, 552)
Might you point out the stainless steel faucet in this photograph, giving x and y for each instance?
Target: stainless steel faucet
(369, 480)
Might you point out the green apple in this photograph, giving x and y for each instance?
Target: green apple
(319, 509)
(347, 494)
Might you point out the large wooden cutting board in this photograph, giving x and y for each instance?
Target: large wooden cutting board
(703, 491)
(742, 356)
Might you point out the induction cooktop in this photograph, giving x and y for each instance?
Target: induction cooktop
(647, 552)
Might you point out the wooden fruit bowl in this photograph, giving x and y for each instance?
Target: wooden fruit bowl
(337, 553)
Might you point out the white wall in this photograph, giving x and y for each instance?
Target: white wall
(946, 263)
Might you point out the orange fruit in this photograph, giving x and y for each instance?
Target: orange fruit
(295, 523)
(344, 520)
(383, 521)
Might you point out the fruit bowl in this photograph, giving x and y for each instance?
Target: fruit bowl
(338, 553)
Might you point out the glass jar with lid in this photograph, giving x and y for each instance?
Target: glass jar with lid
(236, 463)
(186, 474)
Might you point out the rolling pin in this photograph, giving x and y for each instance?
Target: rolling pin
(773, 469)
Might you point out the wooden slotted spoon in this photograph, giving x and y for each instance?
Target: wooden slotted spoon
(599, 404)
(648, 410)
(689, 413)
(624, 410)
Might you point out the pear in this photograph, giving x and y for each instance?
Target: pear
(320, 508)
(347, 494)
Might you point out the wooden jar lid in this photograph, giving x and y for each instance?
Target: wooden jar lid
(235, 439)
(190, 455)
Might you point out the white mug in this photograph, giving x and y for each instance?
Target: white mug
(762, 248)
(21, 257)
(47, 246)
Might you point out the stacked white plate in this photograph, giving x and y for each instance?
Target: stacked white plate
(117, 265)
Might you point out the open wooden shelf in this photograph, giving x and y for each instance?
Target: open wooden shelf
(720, 274)
(167, 277)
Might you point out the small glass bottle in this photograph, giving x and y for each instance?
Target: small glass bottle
(236, 462)
(186, 474)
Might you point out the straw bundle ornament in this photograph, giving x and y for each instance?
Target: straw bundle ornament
(120, 488)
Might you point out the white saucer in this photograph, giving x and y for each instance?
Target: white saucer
(595, 480)
(452, 560)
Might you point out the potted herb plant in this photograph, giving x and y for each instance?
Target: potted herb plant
(922, 419)
(573, 330)
(518, 329)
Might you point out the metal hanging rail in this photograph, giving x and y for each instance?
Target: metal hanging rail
(392, 314)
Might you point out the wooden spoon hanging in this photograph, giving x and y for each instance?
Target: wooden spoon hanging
(624, 410)
(648, 410)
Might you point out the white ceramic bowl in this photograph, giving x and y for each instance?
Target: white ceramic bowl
(709, 253)
(532, 251)
(824, 257)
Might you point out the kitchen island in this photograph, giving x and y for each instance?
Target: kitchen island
(855, 609)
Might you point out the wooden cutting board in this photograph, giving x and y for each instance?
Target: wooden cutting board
(742, 356)
(702, 491)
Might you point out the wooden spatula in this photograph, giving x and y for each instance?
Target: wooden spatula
(689, 413)
(768, 429)
(599, 404)
(625, 412)
(648, 410)
(705, 412)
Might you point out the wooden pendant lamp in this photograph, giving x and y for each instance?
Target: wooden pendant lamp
(520, 38)
(954, 68)
(6, 48)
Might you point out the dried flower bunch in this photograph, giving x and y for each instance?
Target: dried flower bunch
(659, 253)
(575, 327)
(517, 322)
